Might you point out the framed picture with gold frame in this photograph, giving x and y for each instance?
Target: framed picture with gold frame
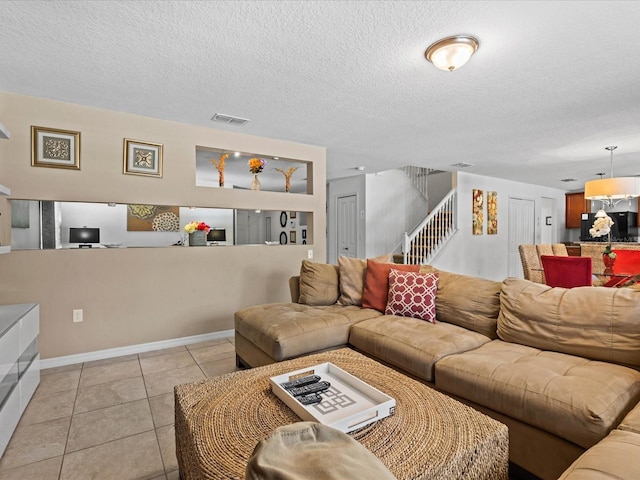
(55, 148)
(293, 236)
(142, 158)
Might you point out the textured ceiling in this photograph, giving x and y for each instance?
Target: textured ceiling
(551, 85)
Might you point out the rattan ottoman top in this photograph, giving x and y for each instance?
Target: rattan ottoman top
(219, 422)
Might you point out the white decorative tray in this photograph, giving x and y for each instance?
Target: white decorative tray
(349, 404)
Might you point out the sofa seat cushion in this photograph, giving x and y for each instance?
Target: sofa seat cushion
(631, 422)
(577, 399)
(614, 458)
(412, 344)
(287, 330)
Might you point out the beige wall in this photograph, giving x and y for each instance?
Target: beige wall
(132, 296)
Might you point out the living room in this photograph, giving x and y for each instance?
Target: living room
(152, 298)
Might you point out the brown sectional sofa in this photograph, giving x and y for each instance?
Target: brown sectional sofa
(559, 367)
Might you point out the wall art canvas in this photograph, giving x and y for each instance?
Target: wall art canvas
(477, 212)
(153, 218)
(55, 148)
(492, 213)
(142, 158)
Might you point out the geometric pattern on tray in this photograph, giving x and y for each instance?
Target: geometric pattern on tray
(412, 295)
(333, 400)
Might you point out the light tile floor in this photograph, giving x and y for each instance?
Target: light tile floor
(109, 419)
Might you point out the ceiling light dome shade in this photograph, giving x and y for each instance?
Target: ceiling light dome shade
(617, 188)
(452, 52)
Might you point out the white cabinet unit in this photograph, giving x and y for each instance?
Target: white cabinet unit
(19, 364)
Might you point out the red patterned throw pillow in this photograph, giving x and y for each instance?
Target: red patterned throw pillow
(412, 295)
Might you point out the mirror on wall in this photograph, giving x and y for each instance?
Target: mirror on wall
(215, 166)
(58, 225)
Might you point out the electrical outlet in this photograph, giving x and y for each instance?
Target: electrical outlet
(77, 316)
(309, 254)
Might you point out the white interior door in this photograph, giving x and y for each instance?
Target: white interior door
(522, 230)
(347, 226)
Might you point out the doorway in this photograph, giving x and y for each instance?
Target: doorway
(347, 226)
(522, 230)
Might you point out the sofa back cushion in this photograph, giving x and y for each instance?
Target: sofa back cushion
(469, 302)
(352, 274)
(318, 283)
(598, 323)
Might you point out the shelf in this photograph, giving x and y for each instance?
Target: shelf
(4, 133)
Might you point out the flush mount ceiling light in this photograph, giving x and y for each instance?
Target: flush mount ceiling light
(612, 190)
(452, 52)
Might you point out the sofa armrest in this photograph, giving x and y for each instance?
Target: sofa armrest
(294, 288)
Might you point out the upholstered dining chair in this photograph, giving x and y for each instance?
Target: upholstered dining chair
(531, 265)
(567, 272)
(560, 249)
(544, 249)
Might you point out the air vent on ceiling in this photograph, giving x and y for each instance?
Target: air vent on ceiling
(463, 165)
(231, 120)
(568, 180)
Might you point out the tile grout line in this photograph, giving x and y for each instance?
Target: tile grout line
(66, 442)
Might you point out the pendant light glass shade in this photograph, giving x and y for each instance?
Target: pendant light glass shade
(452, 52)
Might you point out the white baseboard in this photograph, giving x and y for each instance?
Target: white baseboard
(143, 347)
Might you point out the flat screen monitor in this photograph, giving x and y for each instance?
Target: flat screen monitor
(217, 235)
(84, 236)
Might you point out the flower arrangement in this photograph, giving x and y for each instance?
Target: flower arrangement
(256, 165)
(194, 226)
(602, 226)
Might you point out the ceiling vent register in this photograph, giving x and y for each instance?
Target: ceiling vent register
(229, 119)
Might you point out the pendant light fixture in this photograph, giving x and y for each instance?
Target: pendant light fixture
(610, 191)
(452, 52)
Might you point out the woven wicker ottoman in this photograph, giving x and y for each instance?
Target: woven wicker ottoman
(219, 422)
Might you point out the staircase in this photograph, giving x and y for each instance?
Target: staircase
(428, 238)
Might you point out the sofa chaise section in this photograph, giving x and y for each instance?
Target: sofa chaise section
(275, 332)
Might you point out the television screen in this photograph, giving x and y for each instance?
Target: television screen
(217, 235)
(84, 235)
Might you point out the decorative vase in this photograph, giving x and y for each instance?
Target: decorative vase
(255, 184)
(198, 239)
(221, 179)
(608, 263)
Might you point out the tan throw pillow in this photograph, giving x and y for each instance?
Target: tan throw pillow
(309, 450)
(318, 283)
(352, 274)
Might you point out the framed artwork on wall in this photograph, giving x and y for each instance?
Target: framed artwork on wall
(142, 158)
(293, 236)
(292, 215)
(477, 213)
(283, 238)
(283, 219)
(492, 213)
(55, 148)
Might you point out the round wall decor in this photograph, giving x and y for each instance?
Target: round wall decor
(283, 238)
(283, 220)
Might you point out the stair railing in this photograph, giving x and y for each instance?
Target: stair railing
(428, 238)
